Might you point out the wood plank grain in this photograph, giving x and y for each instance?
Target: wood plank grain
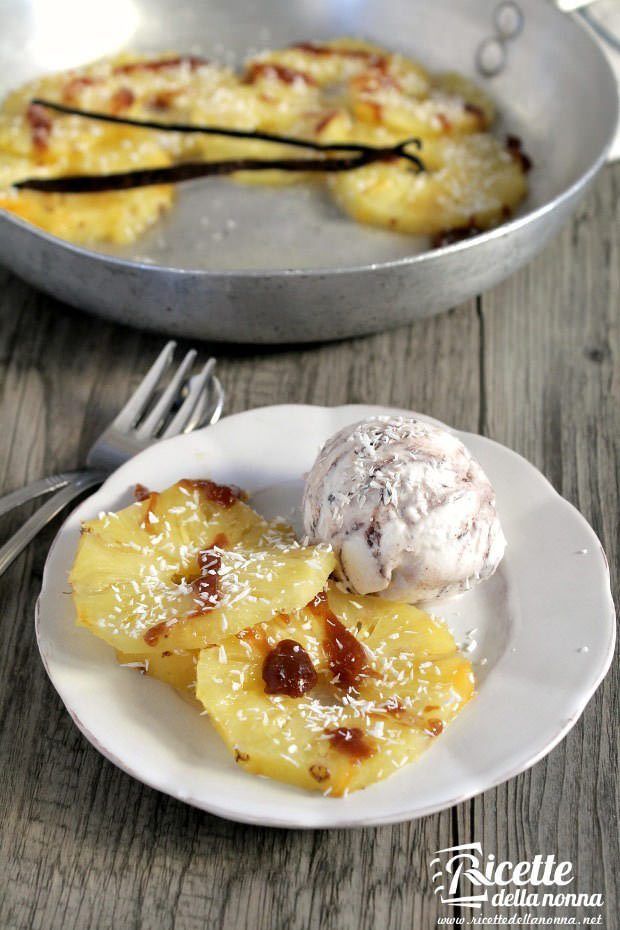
(551, 362)
(84, 846)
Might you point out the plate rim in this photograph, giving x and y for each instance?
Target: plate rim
(306, 821)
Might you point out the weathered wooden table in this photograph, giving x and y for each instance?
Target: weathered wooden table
(534, 364)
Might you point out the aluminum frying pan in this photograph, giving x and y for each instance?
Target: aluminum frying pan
(264, 265)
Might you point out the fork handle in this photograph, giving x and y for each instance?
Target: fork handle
(26, 533)
(36, 489)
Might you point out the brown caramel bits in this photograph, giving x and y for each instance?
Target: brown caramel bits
(189, 61)
(206, 587)
(320, 773)
(319, 606)
(141, 493)
(281, 73)
(150, 520)
(351, 741)
(241, 756)
(40, 123)
(121, 100)
(477, 112)
(345, 654)
(256, 638)
(515, 148)
(75, 86)
(433, 727)
(155, 633)
(288, 669)
(456, 234)
(222, 494)
(316, 48)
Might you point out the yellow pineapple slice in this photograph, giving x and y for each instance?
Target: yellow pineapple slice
(471, 180)
(374, 684)
(186, 567)
(320, 63)
(160, 534)
(158, 612)
(177, 668)
(452, 105)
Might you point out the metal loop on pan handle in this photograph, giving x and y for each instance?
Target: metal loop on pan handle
(491, 54)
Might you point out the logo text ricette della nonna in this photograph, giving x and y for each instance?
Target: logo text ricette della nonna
(463, 876)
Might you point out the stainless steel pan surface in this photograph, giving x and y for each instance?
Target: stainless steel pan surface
(253, 264)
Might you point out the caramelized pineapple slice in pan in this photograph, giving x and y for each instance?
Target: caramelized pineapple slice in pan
(471, 181)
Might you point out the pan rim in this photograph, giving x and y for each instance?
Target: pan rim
(131, 265)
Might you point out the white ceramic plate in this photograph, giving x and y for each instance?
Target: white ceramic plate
(545, 635)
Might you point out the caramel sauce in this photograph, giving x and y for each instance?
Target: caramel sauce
(206, 588)
(433, 727)
(345, 654)
(221, 494)
(288, 669)
(269, 69)
(256, 638)
(351, 741)
(141, 493)
(147, 523)
(319, 606)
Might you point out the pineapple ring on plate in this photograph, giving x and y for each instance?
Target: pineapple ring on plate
(183, 568)
(176, 668)
(471, 181)
(337, 696)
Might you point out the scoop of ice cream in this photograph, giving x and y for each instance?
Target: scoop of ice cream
(407, 509)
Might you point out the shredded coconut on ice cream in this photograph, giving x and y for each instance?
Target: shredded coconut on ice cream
(407, 509)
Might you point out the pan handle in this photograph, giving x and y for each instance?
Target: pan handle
(610, 44)
(508, 22)
(492, 53)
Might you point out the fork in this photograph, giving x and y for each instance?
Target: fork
(145, 419)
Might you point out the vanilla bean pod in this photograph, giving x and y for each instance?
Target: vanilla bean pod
(144, 177)
(189, 171)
